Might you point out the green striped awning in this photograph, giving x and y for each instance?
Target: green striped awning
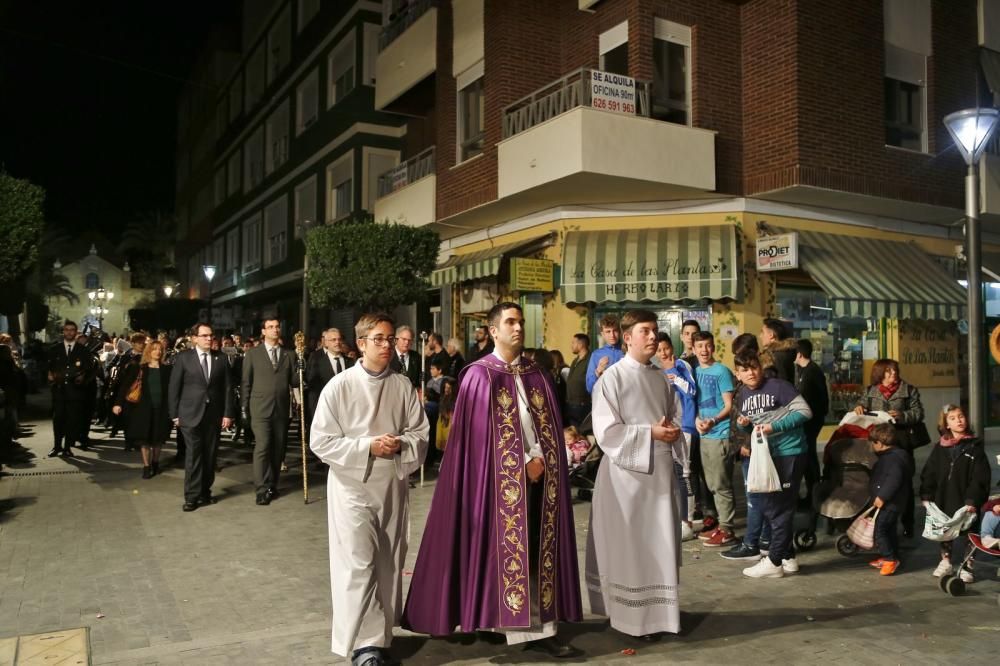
(874, 278)
(472, 266)
(685, 264)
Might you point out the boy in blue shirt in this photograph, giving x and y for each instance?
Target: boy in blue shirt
(715, 401)
(774, 407)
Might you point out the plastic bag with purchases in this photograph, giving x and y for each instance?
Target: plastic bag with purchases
(762, 477)
(939, 526)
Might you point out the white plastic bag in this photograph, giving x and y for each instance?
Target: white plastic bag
(939, 526)
(762, 477)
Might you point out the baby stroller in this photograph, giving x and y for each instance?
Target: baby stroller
(584, 475)
(955, 586)
(848, 460)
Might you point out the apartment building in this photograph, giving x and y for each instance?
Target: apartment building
(297, 143)
(588, 156)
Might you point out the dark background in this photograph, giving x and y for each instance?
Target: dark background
(88, 99)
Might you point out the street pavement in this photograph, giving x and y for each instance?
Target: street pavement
(86, 543)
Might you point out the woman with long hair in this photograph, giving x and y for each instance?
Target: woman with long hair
(142, 397)
(890, 393)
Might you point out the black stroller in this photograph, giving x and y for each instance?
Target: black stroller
(583, 475)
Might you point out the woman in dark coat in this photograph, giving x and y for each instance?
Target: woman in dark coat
(890, 393)
(146, 421)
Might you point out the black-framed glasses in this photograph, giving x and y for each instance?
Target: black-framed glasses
(381, 340)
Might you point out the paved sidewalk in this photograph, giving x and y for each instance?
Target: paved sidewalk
(86, 542)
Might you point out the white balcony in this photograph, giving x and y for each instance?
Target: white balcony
(407, 193)
(407, 52)
(555, 140)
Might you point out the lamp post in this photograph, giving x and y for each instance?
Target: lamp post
(98, 299)
(971, 130)
(209, 271)
(168, 290)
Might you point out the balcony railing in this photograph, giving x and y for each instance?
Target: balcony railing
(567, 93)
(419, 166)
(406, 17)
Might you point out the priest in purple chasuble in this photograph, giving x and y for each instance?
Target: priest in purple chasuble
(498, 552)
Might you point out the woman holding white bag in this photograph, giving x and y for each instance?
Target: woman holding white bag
(956, 474)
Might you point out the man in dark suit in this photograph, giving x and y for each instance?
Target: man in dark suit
(404, 360)
(811, 384)
(71, 368)
(265, 394)
(322, 366)
(200, 402)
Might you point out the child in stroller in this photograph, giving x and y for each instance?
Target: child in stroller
(583, 457)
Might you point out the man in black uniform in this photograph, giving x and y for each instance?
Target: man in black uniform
(71, 365)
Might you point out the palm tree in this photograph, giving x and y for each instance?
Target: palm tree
(152, 233)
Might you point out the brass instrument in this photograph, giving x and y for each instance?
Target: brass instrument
(300, 351)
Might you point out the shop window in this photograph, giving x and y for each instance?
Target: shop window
(668, 320)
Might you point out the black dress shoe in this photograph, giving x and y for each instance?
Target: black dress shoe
(55, 452)
(208, 499)
(263, 499)
(272, 493)
(553, 648)
(190, 506)
(650, 638)
(66, 453)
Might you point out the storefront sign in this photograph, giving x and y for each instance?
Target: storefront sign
(612, 92)
(531, 274)
(928, 353)
(776, 253)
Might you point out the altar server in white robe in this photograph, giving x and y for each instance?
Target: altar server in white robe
(633, 544)
(371, 429)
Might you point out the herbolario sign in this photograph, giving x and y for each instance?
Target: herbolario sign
(612, 92)
(779, 252)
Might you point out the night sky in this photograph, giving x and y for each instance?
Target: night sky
(88, 98)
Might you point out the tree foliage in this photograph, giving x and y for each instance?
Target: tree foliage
(148, 243)
(21, 223)
(369, 265)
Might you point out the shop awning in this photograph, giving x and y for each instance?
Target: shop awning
(686, 264)
(484, 263)
(873, 278)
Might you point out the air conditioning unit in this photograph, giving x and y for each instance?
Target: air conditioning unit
(478, 296)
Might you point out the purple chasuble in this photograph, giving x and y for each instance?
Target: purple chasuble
(472, 569)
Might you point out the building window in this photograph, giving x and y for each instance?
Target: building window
(613, 49)
(92, 281)
(907, 41)
(307, 102)
(253, 160)
(221, 115)
(219, 256)
(471, 112)
(340, 184)
(256, 77)
(276, 232)
(251, 244)
(279, 42)
(233, 250)
(341, 66)
(236, 98)
(307, 10)
(220, 185)
(672, 72)
(370, 54)
(233, 173)
(305, 205)
(276, 136)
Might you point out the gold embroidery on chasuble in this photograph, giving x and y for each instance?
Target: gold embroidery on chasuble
(547, 546)
(511, 506)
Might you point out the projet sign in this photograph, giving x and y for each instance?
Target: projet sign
(775, 253)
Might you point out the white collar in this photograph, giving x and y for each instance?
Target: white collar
(516, 361)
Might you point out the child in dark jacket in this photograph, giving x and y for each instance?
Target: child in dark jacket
(956, 475)
(890, 488)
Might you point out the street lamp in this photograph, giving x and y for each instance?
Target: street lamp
(209, 271)
(168, 290)
(98, 299)
(971, 130)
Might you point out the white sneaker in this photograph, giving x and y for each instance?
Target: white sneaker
(687, 533)
(943, 569)
(966, 576)
(764, 569)
(790, 566)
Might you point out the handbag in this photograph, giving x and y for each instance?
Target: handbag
(939, 526)
(762, 476)
(862, 530)
(134, 394)
(918, 435)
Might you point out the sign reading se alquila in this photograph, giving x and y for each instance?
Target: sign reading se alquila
(672, 276)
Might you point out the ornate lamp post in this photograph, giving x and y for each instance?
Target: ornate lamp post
(98, 300)
(971, 130)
